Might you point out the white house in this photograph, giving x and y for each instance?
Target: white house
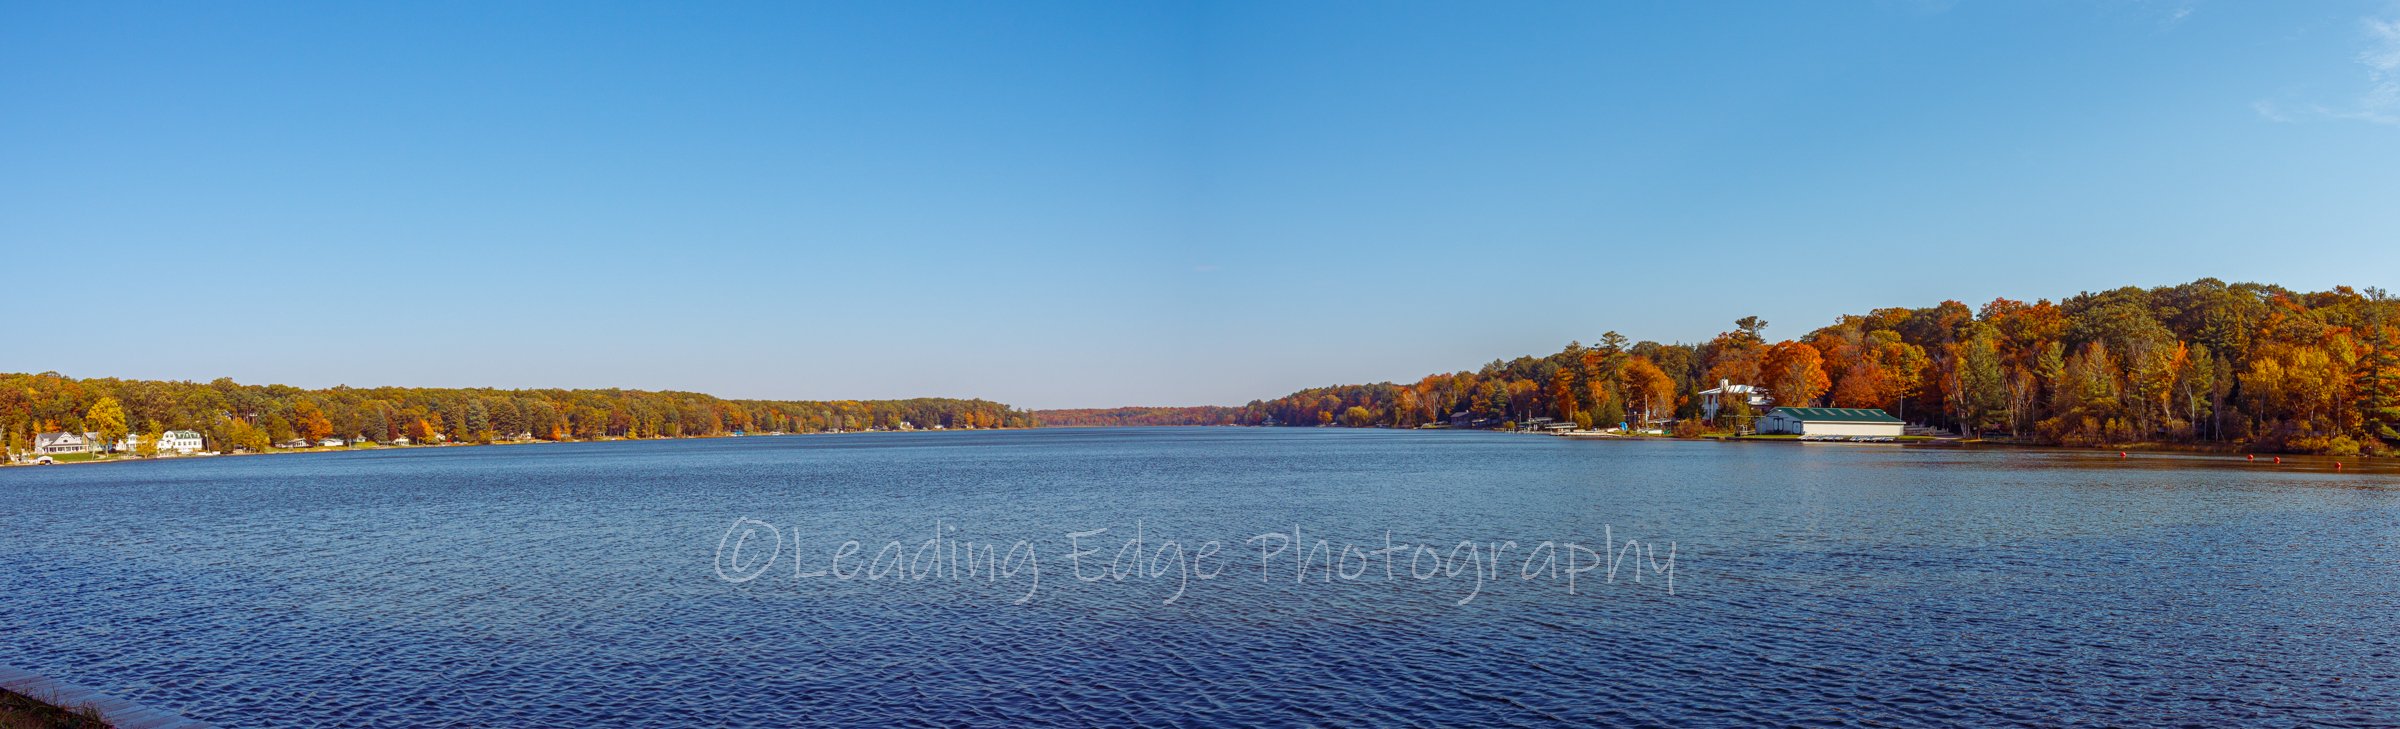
(186, 442)
(331, 443)
(1831, 422)
(50, 444)
(1709, 398)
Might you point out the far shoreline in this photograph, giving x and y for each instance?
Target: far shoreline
(2324, 463)
(414, 446)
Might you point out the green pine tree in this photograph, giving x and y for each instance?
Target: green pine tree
(2379, 387)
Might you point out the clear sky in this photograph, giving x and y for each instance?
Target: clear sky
(1110, 203)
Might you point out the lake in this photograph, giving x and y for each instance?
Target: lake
(1435, 579)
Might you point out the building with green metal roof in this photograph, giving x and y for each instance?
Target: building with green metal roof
(1831, 421)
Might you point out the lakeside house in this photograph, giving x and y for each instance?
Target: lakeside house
(62, 443)
(1834, 422)
(1468, 419)
(1713, 398)
(185, 442)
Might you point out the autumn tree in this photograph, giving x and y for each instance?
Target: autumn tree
(2196, 390)
(1562, 392)
(426, 431)
(1903, 365)
(1648, 391)
(2292, 384)
(1408, 410)
(278, 429)
(106, 418)
(1493, 401)
(1882, 371)
(1794, 373)
(1736, 356)
(2086, 399)
(240, 434)
(310, 423)
(1864, 384)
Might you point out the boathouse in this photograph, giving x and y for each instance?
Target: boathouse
(1869, 422)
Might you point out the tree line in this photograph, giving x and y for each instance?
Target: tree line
(256, 417)
(1138, 416)
(2239, 365)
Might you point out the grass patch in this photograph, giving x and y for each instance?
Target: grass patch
(73, 457)
(18, 711)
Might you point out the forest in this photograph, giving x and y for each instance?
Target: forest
(1139, 416)
(256, 417)
(2217, 365)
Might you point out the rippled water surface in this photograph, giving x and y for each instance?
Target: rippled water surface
(593, 584)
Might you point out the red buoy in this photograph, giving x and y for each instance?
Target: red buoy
(2252, 456)
(2337, 465)
(2279, 459)
(2120, 454)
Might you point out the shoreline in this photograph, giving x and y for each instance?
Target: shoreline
(413, 446)
(2368, 463)
(19, 710)
(2225, 451)
(2311, 462)
(40, 701)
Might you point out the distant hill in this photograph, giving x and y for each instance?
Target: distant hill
(1113, 417)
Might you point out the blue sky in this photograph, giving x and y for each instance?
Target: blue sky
(1095, 204)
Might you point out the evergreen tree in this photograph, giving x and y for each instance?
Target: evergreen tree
(1982, 394)
(2379, 386)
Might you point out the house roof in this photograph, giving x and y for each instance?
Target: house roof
(182, 434)
(1733, 388)
(1838, 415)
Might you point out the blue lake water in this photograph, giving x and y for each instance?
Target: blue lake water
(681, 583)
